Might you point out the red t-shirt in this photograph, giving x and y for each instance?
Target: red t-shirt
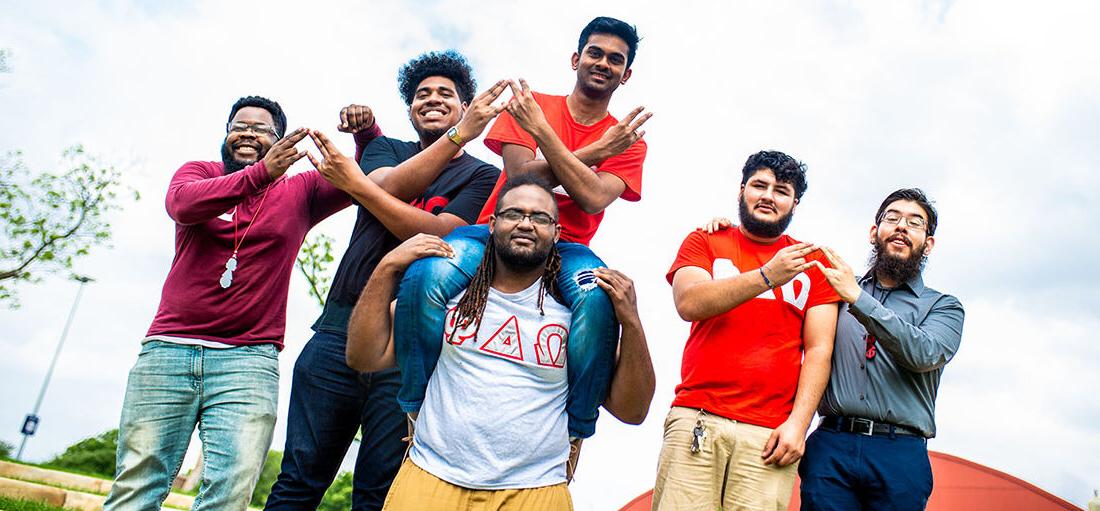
(744, 364)
(576, 225)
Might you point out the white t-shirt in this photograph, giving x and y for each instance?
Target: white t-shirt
(494, 411)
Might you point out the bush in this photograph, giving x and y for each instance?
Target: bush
(338, 496)
(5, 450)
(93, 456)
(272, 465)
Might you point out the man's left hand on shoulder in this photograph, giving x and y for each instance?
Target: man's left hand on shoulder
(786, 444)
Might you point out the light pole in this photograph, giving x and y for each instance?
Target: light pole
(30, 423)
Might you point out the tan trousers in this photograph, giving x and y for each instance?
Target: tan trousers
(726, 474)
(415, 489)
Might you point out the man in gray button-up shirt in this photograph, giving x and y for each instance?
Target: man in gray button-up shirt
(894, 336)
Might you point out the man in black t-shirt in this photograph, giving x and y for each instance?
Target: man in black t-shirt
(429, 186)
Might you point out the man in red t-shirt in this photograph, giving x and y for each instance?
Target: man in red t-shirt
(591, 159)
(757, 358)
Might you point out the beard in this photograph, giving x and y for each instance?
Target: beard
(895, 268)
(762, 228)
(232, 164)
(517, 260)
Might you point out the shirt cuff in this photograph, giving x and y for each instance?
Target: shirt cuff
(362, 138)
(258, 176)
(865, 305)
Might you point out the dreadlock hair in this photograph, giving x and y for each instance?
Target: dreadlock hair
(471, 307)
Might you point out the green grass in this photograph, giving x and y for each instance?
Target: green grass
(9, 504)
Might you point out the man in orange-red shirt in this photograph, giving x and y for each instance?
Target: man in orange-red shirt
(591, 159)
(757, 359)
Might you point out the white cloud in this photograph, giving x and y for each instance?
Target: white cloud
(991, 107)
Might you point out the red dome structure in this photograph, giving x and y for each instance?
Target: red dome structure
(960, 485)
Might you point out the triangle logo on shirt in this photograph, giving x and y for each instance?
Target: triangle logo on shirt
(505, 341)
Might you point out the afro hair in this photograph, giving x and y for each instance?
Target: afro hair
(448, 64)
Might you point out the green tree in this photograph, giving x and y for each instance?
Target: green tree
(313, 261)
(268, 474)
(5, 450)
(338, 496)
(49, 220)
(93, 456)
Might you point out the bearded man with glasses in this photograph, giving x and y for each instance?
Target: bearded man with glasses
(210, 358)
(492, 433)
(893, 338)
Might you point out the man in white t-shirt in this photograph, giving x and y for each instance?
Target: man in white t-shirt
(492, 433)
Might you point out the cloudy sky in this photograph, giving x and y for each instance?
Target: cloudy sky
(991, 107)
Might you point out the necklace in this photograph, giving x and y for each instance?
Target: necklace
(231, 263)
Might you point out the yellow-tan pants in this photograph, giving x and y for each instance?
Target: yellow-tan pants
(726, 474)
(414, 489)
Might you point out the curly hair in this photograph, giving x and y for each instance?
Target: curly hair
(267, 104)
(785, 168)
(448, 64)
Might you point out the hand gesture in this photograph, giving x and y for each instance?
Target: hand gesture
(788, 262)
(355, 118)
(283, 154)
(620, 289)
(524, 108)
(840, 276)
(336, 168)
(623, 135)
(785, 445)
(480, 111)
(417, 247)
(716, 224)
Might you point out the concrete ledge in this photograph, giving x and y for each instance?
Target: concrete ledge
(54, 477)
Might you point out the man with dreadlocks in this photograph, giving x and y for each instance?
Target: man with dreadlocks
(492, 432)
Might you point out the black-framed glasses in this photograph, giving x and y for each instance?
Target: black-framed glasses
(516, 216)
(913, 222)
(259, 129)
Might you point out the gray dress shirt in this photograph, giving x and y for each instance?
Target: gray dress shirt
(917, 330)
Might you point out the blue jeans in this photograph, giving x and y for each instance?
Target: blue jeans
(430, 283)
(329, 402)
(229, 393)
(848, 471)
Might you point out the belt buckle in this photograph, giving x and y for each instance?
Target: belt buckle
(870, 425)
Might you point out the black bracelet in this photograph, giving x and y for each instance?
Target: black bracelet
(766, 281)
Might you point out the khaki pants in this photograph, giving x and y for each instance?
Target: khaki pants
(415, 489)
(726, 474)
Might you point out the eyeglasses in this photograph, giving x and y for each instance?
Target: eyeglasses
(914, 222)
(516, 216)
(259, 129)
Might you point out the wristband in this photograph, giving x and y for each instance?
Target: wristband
(766, 281)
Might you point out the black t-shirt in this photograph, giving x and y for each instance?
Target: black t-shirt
(461, 190)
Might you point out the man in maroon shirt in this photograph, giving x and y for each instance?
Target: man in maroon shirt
(210, 357)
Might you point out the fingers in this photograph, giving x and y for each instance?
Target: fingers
(494, 92)
(516, 92)
(769, 446)
(630, 117)
(312, 160)
(324, 144)
(523, 86)
(320, 145)
(343, 119)
(791, 457)
(641, 120)
(296, 157)
(832, 257)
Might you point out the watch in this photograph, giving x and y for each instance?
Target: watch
(455, 137)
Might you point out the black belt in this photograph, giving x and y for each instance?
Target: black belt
(866, 426)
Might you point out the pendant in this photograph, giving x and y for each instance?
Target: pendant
(227, 276)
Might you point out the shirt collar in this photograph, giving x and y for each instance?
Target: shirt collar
(915, 284)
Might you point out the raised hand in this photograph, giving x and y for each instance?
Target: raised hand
(788, 262)
(355, 118)
(716, 224)
(336, 168)
(620, 289)
(840, 276)
(524, 108)
(283, 154)
(480, 111)
(417, 247)
(624, 134)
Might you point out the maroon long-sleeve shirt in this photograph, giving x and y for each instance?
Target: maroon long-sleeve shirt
(201, 199)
